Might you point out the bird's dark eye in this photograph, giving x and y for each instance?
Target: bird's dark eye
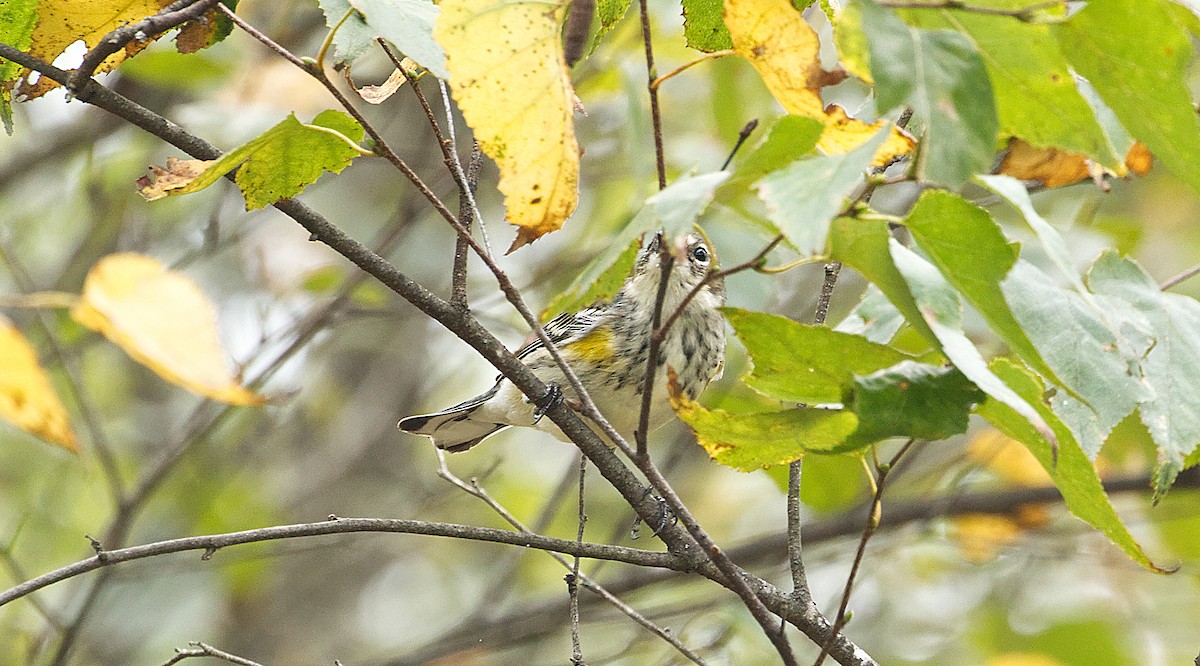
(700, 254)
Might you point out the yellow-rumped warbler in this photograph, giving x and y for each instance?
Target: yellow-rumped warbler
(607, 345)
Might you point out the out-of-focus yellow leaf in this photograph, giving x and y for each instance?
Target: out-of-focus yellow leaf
(981, 536)
(63, 22)
(27, 399)
(162, 320)
(1055, 167)
(516, 94)
(785, 50)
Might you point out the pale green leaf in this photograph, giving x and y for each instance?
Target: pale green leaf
(804, 197)
(354, 37)
(790, 138)
(874, 318)
(409, 25)
(595, 283)
(941, 76)
(1171, 366)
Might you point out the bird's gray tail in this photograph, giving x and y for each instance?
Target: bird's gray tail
(453, 429)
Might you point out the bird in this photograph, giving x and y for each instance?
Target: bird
(607, 346)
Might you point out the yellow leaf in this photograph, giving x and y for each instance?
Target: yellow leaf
(27, 398)
(1008, 459)
(981, 536)
(785, 51)
(163, 320)
(509, 77)
(64, 22)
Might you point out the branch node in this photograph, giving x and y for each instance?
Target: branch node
(101, 554)
(208, 553)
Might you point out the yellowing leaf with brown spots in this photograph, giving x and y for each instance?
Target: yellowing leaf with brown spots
(27, 399)
(1055, 167)
(162, 320)
(509, 77)
(784, 49)
(63, 22)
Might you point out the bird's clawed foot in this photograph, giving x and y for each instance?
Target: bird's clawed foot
(665, 516)
(552, 399)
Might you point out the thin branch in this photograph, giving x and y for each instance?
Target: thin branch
(795, 548)
(688, 65)
(666, 261)
(1030, 14)
(743, 134)
(466, 208)
(450, 132)
(1181, 277)
(210, 544)
(199, 649)
(655, 112)
(872, 524)
(573, 577)
(172, 16)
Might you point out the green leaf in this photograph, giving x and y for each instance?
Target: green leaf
(1036, 96)
(1137, 58)
(803, 198)
(354, 37)
(1072, 471)
(971, 252)
(285, 159)
(17, 19)
(828, 482)
(409, 25)
(941, 309)
(1094, 350)
(796, 362)
(1171, 366)
(942, 77)
(194, 73)
(608, 14)
(912, 399)
(790, 138)
(704, 25)
(865, 246)
(874, 318)
(595, 283)
(753, 441)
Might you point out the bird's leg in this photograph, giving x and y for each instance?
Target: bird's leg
(553, 398)
(665, 516)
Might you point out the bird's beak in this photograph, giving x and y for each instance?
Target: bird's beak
(679, 250)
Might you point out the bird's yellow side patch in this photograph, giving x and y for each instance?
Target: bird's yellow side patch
(595, 347)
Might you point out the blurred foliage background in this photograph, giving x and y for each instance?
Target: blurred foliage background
(1037, 588)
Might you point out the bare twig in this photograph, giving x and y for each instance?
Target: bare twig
(199, 649)
(872, 524)
(1181, 277)
(655, 112)
(573, 577)
(1031, 13)
(466, 204)
(743, 134)
(688, 65)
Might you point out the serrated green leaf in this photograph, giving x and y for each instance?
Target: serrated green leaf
(17, 19)
(941, 309)
(409, 25)
(804, 197)
(942, 77)
(796, 362)
(1095, 353)
(1072, 471)
(971, 252)
(1171, 366)
(284, 160)
(1136, 56)
(754, 441)
(1036, 96)
(790, 138)
(608, 14)
(704, 25)
(354, 37)
(874, 318)
(596, 282)
(912, 399)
